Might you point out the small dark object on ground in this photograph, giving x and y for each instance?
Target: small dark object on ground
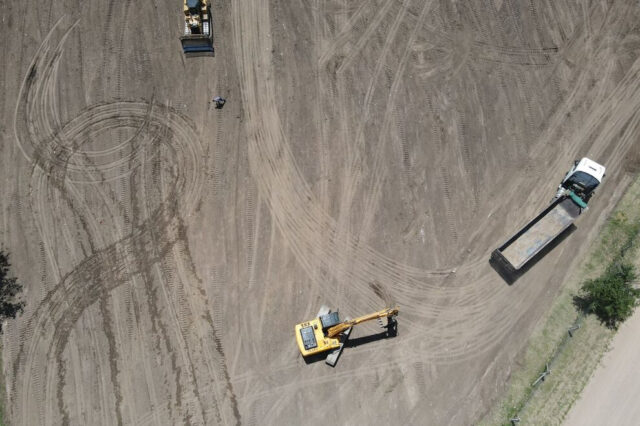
(220, 101)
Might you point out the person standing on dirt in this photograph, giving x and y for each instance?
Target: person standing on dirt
(220, 101)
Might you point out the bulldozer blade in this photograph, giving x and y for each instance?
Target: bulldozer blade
(332, 358)
(197, 45)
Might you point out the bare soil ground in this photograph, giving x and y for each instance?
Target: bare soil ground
(371, 152)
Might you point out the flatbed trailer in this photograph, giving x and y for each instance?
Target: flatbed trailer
(539, 232)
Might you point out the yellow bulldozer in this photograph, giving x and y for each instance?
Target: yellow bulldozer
(198, 32)
(327, 332)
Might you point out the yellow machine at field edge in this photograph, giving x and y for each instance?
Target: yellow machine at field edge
(327, 333)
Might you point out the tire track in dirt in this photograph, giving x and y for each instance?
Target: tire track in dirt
(42, 208)
(366, 36)
(378, 172)
(446, 191)
(61, 308)
(216, 360)
(275, 173)
(325, 83)
(68, 195)
(598, 42)
(373, 366)
(347, 32)
(603, 115)
(160, 229)
(503, 322)
(282, 175)
(319, 113)
(150, 196)
(622, 108)
(353, 174)
(335, 6)
(215, 174)
(356, 164)
(252, 227)
(276, 376)
(60, 222)
(189, 308)
(610, 118)
(55, 163)
(405, 155)
(119, 50)
(501, 53)
(60, 185)
(141, 116)
(467, 169)
(447, 45)
(107, 43)
(476, 53)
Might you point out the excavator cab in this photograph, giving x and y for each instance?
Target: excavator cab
(327, 333)
(198, 32)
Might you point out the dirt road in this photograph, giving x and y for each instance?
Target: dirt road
(370, 153)
(611, 395)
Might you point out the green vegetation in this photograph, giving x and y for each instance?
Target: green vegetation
(10, 305)
(2, 400)
(572, 358)
(611, 296)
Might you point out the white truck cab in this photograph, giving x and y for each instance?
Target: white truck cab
(582, 179)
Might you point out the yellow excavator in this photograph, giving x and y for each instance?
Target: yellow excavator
(198, 32)
(327, 333)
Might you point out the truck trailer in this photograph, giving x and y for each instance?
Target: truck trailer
(572, 197)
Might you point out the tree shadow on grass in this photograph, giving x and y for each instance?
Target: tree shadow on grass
(582, 304)
(10, 288)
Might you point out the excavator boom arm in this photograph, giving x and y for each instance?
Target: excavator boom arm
(339, 328)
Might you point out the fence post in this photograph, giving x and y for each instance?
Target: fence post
(544, 374)
(572, 329)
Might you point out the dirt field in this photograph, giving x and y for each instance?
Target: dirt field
(371, 152)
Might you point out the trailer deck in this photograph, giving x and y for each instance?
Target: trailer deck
(539, 232)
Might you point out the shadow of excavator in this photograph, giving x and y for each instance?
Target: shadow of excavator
(391, 331)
